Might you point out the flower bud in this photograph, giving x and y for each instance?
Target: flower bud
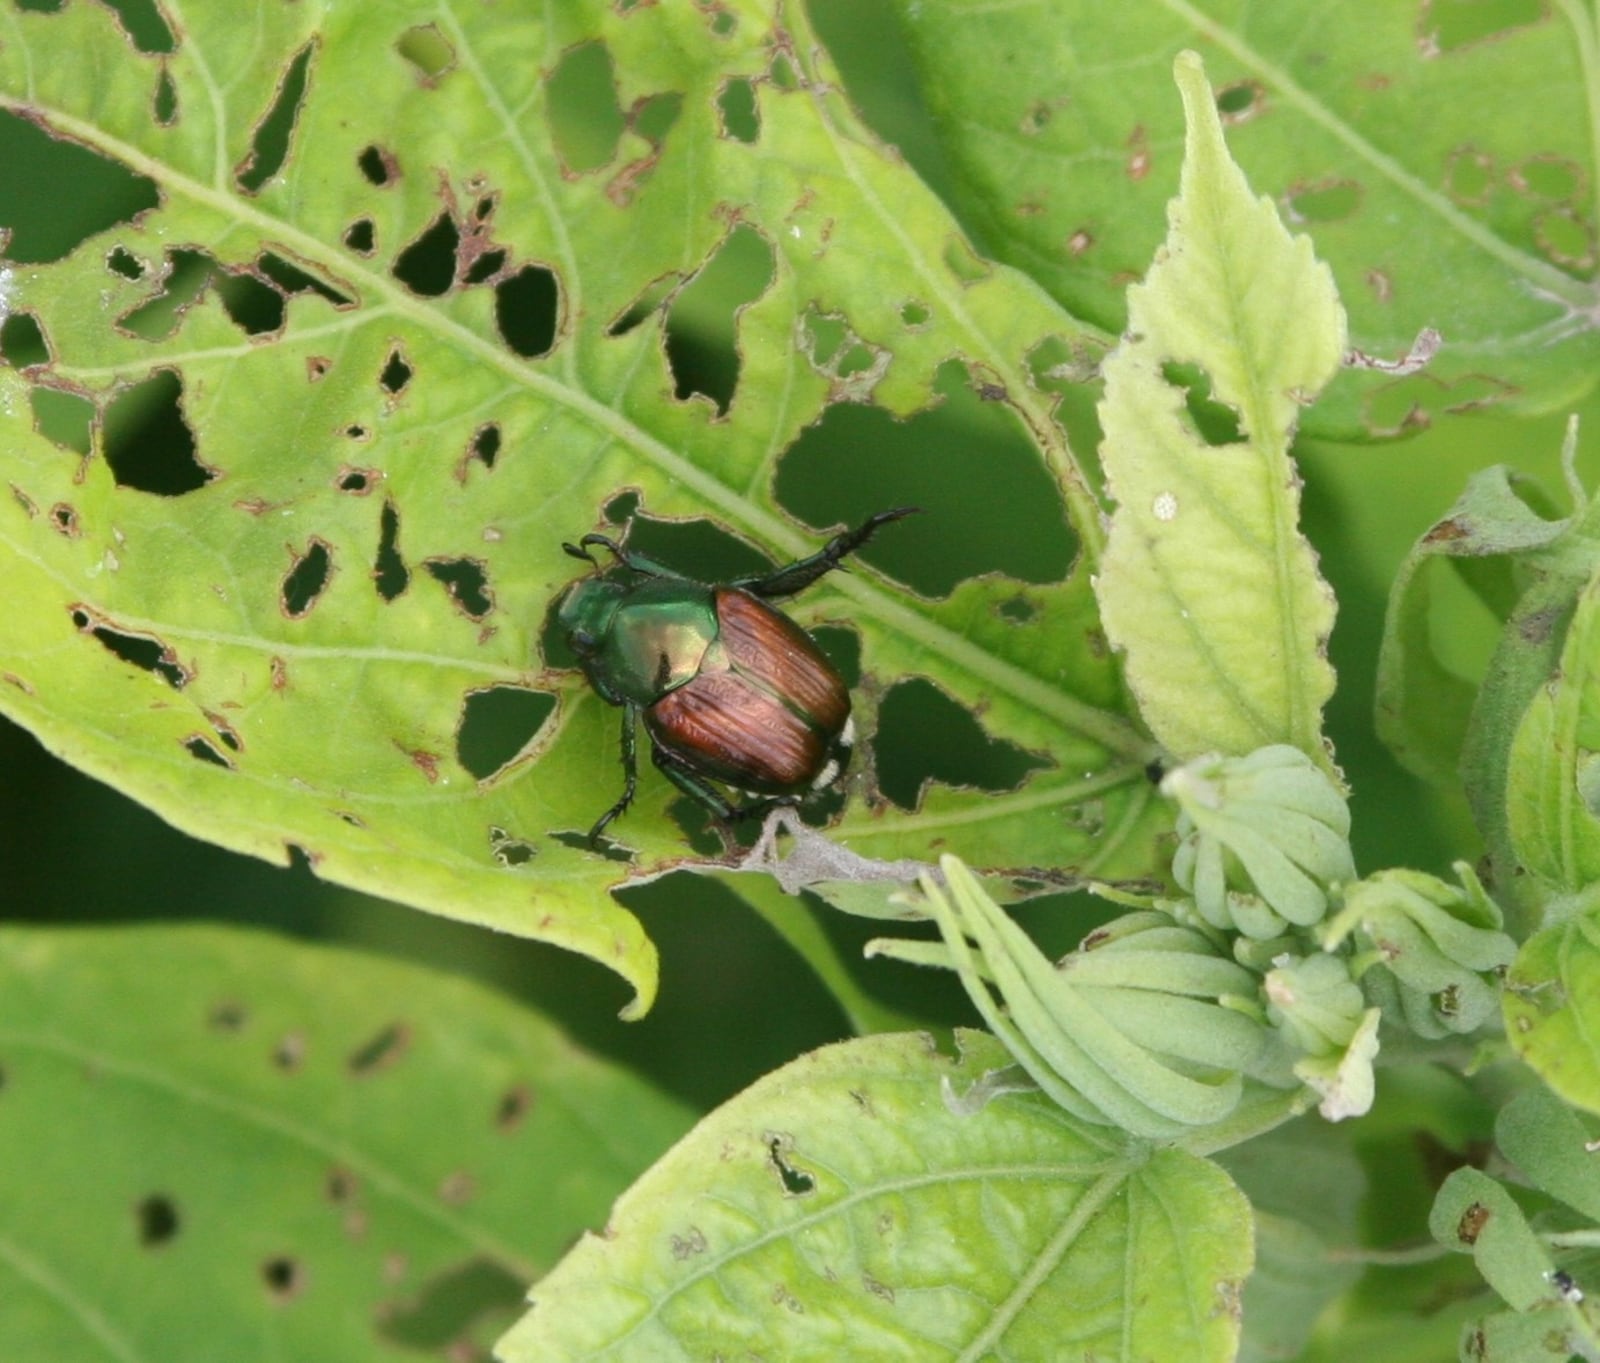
(1263, 839)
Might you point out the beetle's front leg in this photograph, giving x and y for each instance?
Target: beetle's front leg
(797, 576)
(630, 772)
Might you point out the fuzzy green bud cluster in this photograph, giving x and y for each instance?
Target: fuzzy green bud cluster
(1263, 840)
(1428, 952)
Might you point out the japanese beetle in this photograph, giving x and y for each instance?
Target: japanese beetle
(730, 689)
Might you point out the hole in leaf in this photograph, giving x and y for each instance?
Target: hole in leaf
(361, 236)
(292, 280)
(989, 505)
(142, 650)
(164, 107)
(1327, 202)
(282, 1276)
(121, 261)
(796, 1182)
(466, 580)
(1216, 422)
(738, 110)
(428, 51)
(380, 1051)
(497, 724)
(621, 508)
(142, 22)
(22, 342)
(486, 444)
(1241, 101)
(225, 732)
(527, 309)
(475, 1298)
(1452, 24)
(608, 848)
(1018, 610)
(357, 432)
(181, 283)
(157, 1217)
(485, 267)
(843, 648)
(923, 735)
(270, 145)
(702, 322)
(357, 482)
(201, 748)
(396, 374)
(148, 443)
(47, 227)
(65, 519)
(510, 851)
(428, 265)
(64, 418)
(915, 314)
(389, 572)
(653, 118)
(378, 166)
(586, 122)
(649, 302)
(303, 583)
(256, 307)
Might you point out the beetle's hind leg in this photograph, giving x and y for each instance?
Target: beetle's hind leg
(698, 789)
(630, 774)
(797, 576)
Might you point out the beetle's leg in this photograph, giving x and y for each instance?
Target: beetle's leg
(799, 575)
(630, 773)
(645, 567)
(690, 782)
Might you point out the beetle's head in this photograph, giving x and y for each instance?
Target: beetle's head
(587, 612)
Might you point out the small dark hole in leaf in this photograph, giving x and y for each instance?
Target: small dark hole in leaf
(1018, 609)
(1236, 101)
(122, 261)
(724, 24)
(581, 101)
(141, 650)
(65, 519)
(228, 1016)
(40, 6)
(102, 193)
(201, 749)
(357, 482)
(485, 267)
(514, 1106)
(527, 310)
(781, 73)
(428, 265)
(225, 732)
(390, 572)
(270, 146)
(157, 1216)
(646, 305)
(306, 578)
(292, 279)
(357, 432)
(361, 236)
(187, 274)
(1217, 423)
(381, 1050)
(608, 848)
(497, 723)
(378, 166)
(702, 322)
(843, 647)
(622, 508)
(427, 50)
(467, 581)
(396, 373)
(796, 1182)
(141, 20)
(255, 307)
(282, 1276)
(509, 850)
(736, 103)
(923, 735)
(22, 341)
(915, 314)
(486, 444)
(483, 210)
(164, 108)
(148, 443)
(467, 1300)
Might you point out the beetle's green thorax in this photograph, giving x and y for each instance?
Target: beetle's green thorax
(639, 640)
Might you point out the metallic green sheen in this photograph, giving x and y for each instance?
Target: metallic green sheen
(641, 641)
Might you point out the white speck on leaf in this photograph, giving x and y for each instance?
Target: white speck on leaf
(1165, 506)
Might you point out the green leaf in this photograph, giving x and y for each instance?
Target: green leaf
(407, 306)
(1207, 582)
(840, 1209)
(1552, 1008)
(219, 1144)
(1397, 135)
(1546, 1140)
(1476, 1214)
